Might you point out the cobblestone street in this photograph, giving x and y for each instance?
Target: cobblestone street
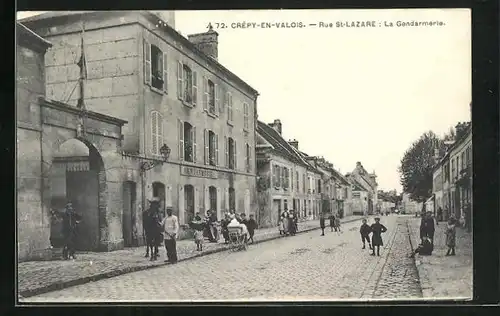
(306, 267)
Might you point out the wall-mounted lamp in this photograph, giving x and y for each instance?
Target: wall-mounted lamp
(164, 152)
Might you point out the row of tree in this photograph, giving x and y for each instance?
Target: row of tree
(420, 158)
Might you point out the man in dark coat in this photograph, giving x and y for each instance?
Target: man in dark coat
(71, 219)
(427, 227)
(147, 226)
(377, 230)
(251, 226)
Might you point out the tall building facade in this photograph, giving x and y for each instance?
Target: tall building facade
(176, 97)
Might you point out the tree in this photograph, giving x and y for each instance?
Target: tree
(417, 164)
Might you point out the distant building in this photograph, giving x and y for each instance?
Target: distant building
(281, 177)
(364, 190)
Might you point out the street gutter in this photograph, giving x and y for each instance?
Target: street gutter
(121, 271)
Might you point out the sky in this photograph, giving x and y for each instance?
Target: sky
(349, 94)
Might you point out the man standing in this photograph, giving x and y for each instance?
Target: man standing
(427, 227)
(171, 228)
(70, 222)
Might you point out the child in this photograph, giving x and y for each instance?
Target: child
(424, 249)
(198, 225)
(365, 231)
(251, 226)
(337, 224)
(280, 226)
(450, 237)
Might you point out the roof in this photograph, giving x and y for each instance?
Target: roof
(279, 144)
(358, 186)
(457, 143)
(31, 38)
(154, 18)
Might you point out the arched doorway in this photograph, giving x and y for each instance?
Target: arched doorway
(129, 215)
(159, 192)
(77, 176)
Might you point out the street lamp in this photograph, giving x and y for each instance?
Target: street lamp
(150, 164)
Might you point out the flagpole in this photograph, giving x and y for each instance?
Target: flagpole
(82, 63)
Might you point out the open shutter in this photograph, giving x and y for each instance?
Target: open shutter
(205, 93)
(181, 140)
(207, 146)
(234, 155)
(216, 150)
(160, 131)
(165, 73)
(216, 97)
(195, 88)
(180, 92)
(197, 200)
(226, 199)
(147, 62)
(226, 152)
(182, 208)
(207, 199)
(154, 145)
(195, 146)
(219, 211)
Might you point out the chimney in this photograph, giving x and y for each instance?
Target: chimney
(206, 42)
(167, 17)
(276, 125)
(294, 143)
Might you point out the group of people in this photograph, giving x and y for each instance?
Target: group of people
(427, 230)
(232, 219)
(288, 223)
(334, 223)
(376, 229)
(158, 228)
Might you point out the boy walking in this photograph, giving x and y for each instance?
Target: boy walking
(365, 231)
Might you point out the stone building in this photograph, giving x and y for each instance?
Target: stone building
(177, 98)
(365, 188)
(282, 172)
(63, 154)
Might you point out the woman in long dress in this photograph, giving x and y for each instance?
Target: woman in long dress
(286, 220)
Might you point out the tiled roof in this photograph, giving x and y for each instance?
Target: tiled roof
(279, 143)
(357, 186)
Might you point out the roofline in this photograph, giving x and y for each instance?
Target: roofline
(74, 110)
(24, 30)
(457, 143)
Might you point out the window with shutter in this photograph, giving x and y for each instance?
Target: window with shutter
(226, 152)
(207, 140)
(217, 101)
(165, 72)
(195, 87)
(216, 150)
(154, 133)
(147, 62)
(180, 81)
(246, 116)
(275, 179)
(181, 140)
(156, 67)
(229, 97)
(205, 93)
(195, 146)
(212, 90)
(235, 156)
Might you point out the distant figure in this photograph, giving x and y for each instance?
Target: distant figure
(365, 231)
(332, 222)
(224, 222)
(427, 227)
(198, 225)
(377, 230)
(286, 225)
(451, 236)
(440, 214)
(322, 223)
(251, 226)
(337, 224)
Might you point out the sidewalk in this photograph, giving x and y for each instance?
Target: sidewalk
(38, 277)
(443, 277)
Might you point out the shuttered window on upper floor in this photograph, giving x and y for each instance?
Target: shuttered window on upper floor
(187, 84)
(156, 132)
(155, 67)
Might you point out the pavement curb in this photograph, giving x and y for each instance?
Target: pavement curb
(421, 281)
(107, 275)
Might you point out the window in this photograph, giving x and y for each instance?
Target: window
(155, 67)
(230, 153)
(453, 169)
(187, 142)
(297, 179)
(187, 84)
(285, 179)
(248, 158)
(303, 183)
(246, 117)
(469, 155)
(232, 199)
(189, 203)
(291, 179)
(211, 148)
(229, 106)
(319, 186)
(356, 194)
(304, 206)
(210, 97)
(285, 205)
(156, 132)
(463, 160)
(278, 177)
